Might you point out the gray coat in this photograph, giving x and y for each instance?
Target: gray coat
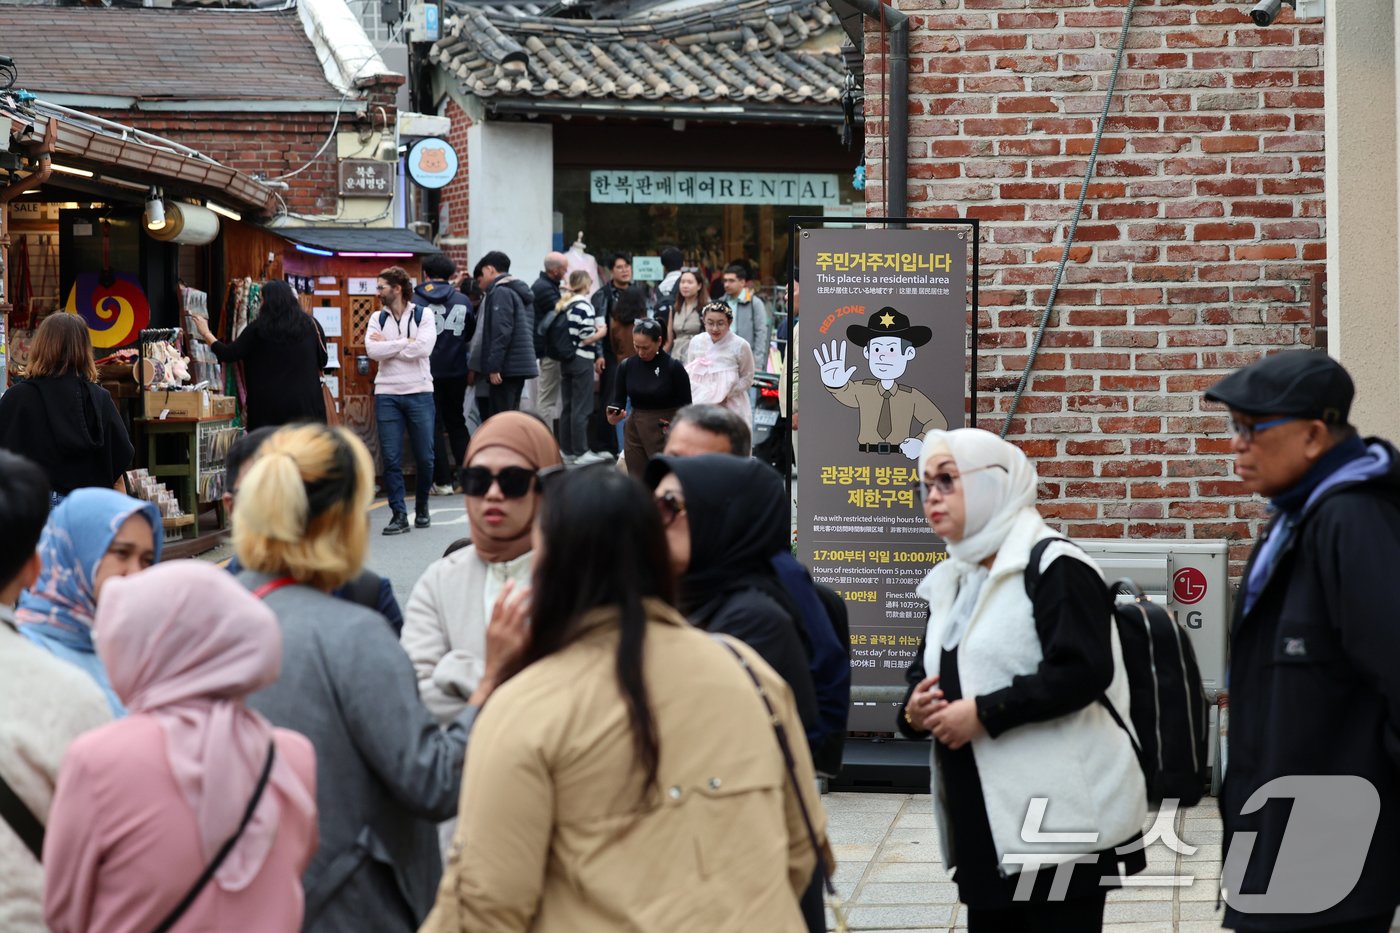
(507, 343)
(751, 323)
(385, 772)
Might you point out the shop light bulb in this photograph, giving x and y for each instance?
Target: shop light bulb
(68, 170)
(231, 215)
(155, 210)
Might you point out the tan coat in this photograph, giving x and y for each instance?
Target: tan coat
(550, 838)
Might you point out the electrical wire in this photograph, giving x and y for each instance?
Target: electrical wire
(1074, 223)
(350, 87)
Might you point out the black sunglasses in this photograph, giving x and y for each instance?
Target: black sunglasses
(671, 508)
(515, 482)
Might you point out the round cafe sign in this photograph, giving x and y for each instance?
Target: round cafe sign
(432, 163)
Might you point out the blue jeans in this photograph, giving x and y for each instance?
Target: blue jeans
(416, 413)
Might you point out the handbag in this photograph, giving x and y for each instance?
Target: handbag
(838, 909)
(173, 917)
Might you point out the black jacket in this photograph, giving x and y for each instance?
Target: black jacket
(456, 323)
(546, 298)
(768, 626)
(507, 344)
(283, 377)
(70, 428)
(1315, 690)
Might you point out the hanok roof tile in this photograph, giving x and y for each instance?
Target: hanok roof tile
(172, 54)
(719, 53)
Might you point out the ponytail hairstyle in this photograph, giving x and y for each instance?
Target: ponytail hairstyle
(578, 283)
(302, 506)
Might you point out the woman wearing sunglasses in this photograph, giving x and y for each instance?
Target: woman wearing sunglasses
(1011, 690)
(632, 779)
(445, 622)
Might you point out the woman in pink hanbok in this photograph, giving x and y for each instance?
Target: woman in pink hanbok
(721, 364)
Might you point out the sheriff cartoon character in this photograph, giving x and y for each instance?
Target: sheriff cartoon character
(893, 417)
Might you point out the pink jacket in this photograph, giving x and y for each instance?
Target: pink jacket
(122, 846)
(404, 368)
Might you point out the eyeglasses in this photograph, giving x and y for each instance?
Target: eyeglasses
(515, 482)
(671, 508)
(944, 481)
(1245, 431)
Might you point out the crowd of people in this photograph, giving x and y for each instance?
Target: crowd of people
(608, 706)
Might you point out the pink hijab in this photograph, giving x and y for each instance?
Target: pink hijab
(184, 643)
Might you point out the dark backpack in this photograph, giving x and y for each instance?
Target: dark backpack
(1167, 702)
(417, 317)
(553, 337)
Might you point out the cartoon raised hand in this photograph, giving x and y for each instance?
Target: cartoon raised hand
(833, 365)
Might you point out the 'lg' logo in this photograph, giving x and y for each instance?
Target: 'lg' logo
(1189, 586)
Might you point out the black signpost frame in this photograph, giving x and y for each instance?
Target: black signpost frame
(796, 224)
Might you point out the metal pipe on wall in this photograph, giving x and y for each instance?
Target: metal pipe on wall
(896, 26)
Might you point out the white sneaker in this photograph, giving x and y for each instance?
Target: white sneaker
(440, 490)
(594, 456)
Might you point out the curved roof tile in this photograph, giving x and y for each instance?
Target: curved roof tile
(727, 52)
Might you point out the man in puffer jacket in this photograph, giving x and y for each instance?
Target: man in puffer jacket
(505, 355)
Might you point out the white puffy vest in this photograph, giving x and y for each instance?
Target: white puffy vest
(1081, 763)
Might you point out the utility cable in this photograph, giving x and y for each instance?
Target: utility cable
(1073, 225)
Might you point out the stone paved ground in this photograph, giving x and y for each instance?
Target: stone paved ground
(892, 878)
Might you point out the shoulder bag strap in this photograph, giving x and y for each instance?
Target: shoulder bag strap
(21, 819)
(227, 847)
(790, 762)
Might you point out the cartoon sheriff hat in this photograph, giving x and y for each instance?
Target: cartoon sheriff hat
(888, 322)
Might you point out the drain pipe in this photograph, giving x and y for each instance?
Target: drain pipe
(897, 103)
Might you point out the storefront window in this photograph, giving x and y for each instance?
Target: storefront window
(710, 235)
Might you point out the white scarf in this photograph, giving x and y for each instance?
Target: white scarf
(998, 484)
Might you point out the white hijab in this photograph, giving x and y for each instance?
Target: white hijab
(998, 484)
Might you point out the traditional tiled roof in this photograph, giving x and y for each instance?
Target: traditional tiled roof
(755, 52)
(152, 54)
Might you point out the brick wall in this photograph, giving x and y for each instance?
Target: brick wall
(1203, 224)
(455, 197)
(272, 144)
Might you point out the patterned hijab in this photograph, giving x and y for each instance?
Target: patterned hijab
(62, 603)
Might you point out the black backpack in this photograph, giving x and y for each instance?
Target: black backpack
(417, 317)
(553, 337)
(1167, 702)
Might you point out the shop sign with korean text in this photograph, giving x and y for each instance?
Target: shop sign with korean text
(883, 339)
(366, 178)
(627, 186)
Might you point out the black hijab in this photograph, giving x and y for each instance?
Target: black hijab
(739, 518)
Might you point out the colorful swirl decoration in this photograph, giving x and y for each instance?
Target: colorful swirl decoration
(115, 313)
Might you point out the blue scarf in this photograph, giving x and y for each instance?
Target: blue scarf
(1349, 461)
(60, 606)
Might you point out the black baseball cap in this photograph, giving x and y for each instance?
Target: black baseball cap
(1305, 383)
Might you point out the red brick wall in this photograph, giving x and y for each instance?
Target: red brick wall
(455, 196)
(271, 144)
(264, 144)
(1203, 224)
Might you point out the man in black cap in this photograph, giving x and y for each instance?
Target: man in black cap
(889, 412)
(1314, 658)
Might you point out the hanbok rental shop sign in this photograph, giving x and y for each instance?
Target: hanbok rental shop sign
(883, 344)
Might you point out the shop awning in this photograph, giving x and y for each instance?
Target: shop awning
(91, 147)
(356, 241)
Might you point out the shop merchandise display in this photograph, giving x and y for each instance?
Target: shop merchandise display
(204, 365)
(142, 485)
